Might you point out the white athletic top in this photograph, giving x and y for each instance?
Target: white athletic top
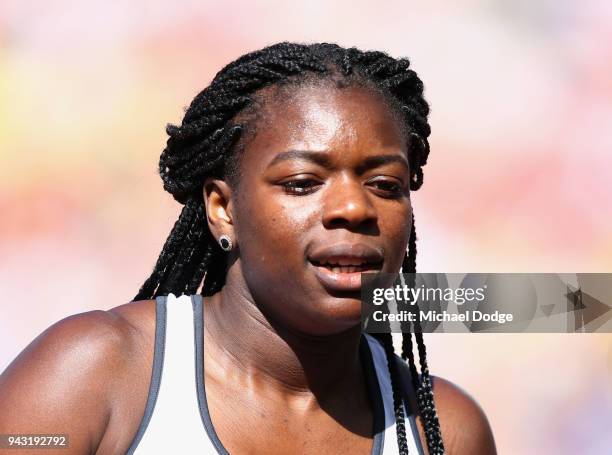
(176, 417)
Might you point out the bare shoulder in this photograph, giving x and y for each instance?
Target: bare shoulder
(67, 378)
(94, 338)
(463, 423)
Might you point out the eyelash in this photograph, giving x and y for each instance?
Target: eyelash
(396, 189)
(292, 187)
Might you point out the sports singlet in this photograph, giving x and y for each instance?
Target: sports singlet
(176, 417)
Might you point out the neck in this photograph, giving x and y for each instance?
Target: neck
(249, 345)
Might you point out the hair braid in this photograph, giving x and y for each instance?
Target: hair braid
(169, 251)
(422, 383)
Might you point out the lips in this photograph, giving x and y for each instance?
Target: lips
(339, 267)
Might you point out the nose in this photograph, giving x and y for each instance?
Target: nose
(347, 204)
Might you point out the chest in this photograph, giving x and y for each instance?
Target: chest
(246, 424)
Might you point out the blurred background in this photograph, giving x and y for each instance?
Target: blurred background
(519, 178)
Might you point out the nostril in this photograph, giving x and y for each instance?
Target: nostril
(341, 222)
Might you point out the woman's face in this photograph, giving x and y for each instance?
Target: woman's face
(324, 196)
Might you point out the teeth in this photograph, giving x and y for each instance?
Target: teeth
(350, 262)
(344, 268)
(343, 263)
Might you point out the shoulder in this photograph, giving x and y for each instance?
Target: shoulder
(463, 423)
(69, 373)
(93, 338)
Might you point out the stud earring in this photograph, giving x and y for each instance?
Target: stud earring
(226, 242)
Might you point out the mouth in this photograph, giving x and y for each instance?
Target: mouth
(339, 267)
(353, 267)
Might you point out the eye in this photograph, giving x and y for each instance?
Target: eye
(388, 188)
(299, 187)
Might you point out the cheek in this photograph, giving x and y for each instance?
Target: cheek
(270, 228)
(395, 228)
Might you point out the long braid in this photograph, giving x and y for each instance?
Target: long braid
(169, 250)
(409, 266)
(205, 144)
(426, 402)
(422, 383)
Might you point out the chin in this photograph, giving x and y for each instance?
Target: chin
(333, 315)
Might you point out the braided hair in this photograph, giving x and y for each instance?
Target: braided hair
(207, 143)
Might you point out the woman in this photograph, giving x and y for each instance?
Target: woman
(295, 168)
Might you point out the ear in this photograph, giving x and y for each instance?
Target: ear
(219, 208)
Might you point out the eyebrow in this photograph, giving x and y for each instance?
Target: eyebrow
(379, 160)
(322, 159)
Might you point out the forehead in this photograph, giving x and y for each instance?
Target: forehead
(348, 122)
